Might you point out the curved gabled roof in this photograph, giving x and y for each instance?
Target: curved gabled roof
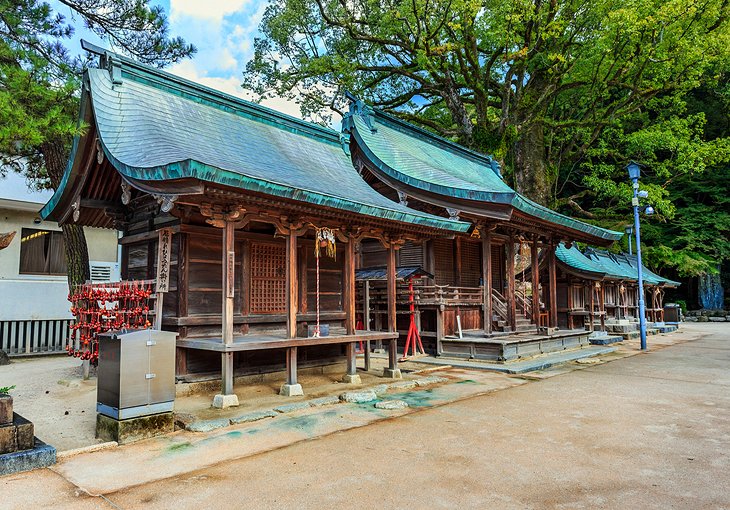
(625, 267)
(154, 126)
(424, 161)
(573, 258)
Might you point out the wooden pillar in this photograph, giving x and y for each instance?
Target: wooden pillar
(535, 270)
(602, 306)
(349, 287)
(592, 305)
(292, 291)
(553, 284)
(366, 304)
(291, 387)
(457, 262)
(510, 269)
(392, 370)
(487, 280)
(569, 299)
(229, 264)
(291, 366)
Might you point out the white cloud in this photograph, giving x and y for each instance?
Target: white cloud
(205, 9)
(232, 85)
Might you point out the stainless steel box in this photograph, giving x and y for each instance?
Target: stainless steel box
(136, 374)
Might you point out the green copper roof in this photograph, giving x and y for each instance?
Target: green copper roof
(430, 163)
(425, 161)
(572, 257)
(154, 126)
(625, 267)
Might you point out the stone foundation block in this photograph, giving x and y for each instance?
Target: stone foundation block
(225, 401)
(133, 429)
(24, 432)
(6, 409)
(8, 439)
(40, 456)
(291, 390)
(351, 379)
(390, 373)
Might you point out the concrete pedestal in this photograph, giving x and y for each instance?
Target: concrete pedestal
(390, 373)
(352, 379)
(291, 390)
(133, 429)
(39, 456)
(225, 401)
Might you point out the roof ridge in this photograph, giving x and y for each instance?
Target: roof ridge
(213, 97)
(449, 144)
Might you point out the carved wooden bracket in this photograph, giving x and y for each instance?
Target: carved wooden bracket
(218, 216)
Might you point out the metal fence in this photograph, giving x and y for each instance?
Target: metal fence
(21, 338)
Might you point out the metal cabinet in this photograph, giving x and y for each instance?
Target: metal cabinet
(136, 374)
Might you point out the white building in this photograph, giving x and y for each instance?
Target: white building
(34, 310)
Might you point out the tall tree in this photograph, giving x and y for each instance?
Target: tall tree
(39, 83)
(534, 82)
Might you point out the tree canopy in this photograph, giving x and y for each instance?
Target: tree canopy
(40, 78)
(563, 92)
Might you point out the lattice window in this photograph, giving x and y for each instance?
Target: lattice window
(471, 267)
(268, 278)
(411, 254)
(443, 250)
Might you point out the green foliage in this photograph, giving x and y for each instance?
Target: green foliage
(487, 73)
(6, 389)
(39, 79)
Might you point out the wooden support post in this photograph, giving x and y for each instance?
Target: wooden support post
(292, 291)
(553, 284)
(227, 398)
(392, 370)
(351, 377)
(592, 305)
(535, 270)
(291, 365)
(349, 287)
(569, 299)
(511, 302)
(366, 304)
(602, 306)
(367, 355)
(458, 267)
(487, 280)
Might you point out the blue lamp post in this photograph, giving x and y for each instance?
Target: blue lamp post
(634, 171)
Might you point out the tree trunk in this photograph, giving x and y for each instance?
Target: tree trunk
(74, 240)
(531, 175)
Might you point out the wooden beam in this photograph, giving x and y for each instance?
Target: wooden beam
(291, 284)
(487, 280)
(349, 287)
(510, 269)
(553, 282)
(535, 270)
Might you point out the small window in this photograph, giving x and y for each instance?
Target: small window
(42, 252)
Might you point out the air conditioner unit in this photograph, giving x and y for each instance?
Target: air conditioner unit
(104, 272)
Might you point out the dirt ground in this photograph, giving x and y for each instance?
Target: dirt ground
(50, 391)
(648, 431)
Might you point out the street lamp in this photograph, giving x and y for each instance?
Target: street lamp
(634, 170)
(629, 230)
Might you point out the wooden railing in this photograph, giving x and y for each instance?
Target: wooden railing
(499, 305)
